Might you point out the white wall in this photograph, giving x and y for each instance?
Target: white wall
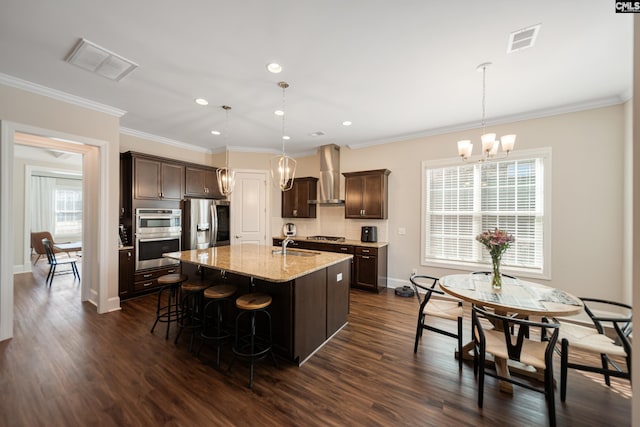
(587, 196)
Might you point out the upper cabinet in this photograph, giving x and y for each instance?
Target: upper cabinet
(157, 180)
(201, 182)
(295, 202)
(366, 194)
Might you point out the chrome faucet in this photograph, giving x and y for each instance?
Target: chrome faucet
(285, 242)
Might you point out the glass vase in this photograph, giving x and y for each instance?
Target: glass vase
(496, 277)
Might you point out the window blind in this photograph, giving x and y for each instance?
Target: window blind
(462, 200)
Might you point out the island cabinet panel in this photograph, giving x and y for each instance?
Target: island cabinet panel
(201, 182)
(310, 313)
(366, 194)
(338, 280)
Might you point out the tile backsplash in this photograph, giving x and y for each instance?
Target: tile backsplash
(330, 221)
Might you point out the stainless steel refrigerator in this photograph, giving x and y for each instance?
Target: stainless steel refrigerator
(206, 223)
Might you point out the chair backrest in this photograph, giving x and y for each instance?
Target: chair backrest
(427, 284)
(48, 248)
(518, 326)
(36, 241)
(622, 323)
(486, 273)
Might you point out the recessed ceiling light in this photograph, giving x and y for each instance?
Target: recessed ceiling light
(279, 113)
(201, 101)
(274, 68)
(346, 123)
(215, 132)
(286, 138)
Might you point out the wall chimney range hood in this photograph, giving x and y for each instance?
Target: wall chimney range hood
(329, 176)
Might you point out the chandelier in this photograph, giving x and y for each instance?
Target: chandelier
(490, 144)
(283, 167)
(226, 177)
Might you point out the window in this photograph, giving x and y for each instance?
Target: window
(68, 211)
(461, 200)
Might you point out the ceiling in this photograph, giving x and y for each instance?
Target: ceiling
(396, 69)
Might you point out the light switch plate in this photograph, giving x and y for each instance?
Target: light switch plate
(339, 277)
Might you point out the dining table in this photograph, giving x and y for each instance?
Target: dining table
(516, 297)
(68, 247)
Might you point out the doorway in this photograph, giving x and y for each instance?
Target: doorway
(95, 274)
(47, 198)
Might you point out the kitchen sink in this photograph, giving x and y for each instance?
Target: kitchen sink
(295, 252)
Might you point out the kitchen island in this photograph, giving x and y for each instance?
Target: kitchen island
(310, 289)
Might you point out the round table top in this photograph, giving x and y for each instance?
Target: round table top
(515, 296)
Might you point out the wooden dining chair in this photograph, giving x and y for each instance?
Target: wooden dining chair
(448, 308)
(506, 345)
(54, 262)
(593, 340)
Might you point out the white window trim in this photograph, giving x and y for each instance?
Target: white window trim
(545, 273)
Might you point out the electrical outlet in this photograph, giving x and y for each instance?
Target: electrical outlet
(339, 277)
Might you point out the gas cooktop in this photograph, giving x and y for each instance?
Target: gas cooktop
(328, 238)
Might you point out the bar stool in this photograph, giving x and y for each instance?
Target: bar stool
(213, 328)
(191, 308)
(251, 346)
(170, 312)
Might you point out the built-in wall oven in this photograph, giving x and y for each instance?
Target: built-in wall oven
(157, 231)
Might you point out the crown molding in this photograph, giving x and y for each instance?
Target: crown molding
(17, 83)
(163, 140)
(531, 115)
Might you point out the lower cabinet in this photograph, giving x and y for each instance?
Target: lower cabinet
(125, 272)
(135, 283)
(370, 268)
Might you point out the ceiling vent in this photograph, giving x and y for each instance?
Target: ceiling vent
(94, 58)
(523, 39)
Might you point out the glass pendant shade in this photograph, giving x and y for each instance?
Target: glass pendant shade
(283, 171)
(226, 180)
(283, 167)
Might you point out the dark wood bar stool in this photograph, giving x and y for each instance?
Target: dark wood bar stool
(213, 328)
(170, 284)
(191, 308)
(251, 346)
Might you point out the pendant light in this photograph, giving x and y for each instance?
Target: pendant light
(490, 144)
(226, 177)
(283, 167)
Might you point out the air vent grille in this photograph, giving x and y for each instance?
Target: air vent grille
(523, 39)
(98, 60)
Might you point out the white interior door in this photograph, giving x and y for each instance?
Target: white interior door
(249, 208)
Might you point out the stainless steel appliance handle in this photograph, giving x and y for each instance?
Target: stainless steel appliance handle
(156, 239)
(214, 225)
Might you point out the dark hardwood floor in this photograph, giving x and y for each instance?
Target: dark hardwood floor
(68, 366)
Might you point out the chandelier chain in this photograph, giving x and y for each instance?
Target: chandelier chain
(484, 94)
(283, 86)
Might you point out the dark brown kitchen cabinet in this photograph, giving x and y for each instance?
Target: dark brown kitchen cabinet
(295, 202)
(370, 268)
(125, 272)
(201, 182)
(366, 194)
(157, 180)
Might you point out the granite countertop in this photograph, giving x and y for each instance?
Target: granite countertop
(259, 261)
(345, 242)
